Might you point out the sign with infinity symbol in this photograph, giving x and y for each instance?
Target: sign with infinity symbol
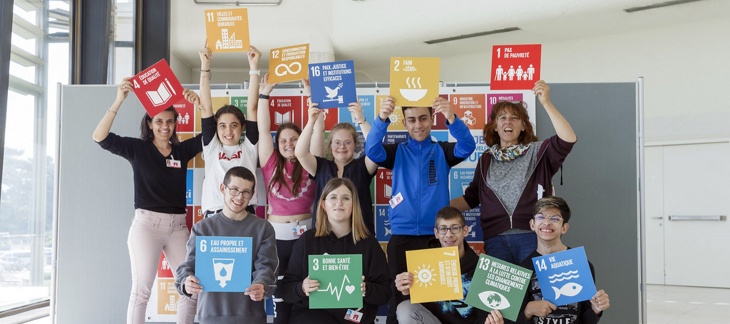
(288, 63)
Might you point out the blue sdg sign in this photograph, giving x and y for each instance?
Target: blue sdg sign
(565, 277)
(333, 84)
(223, 263)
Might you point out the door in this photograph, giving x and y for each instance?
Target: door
(654, 213)
(696, 198)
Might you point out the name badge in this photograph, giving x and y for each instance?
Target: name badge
(173, 163)
(353, 316)
(299, 230)
(396, 200)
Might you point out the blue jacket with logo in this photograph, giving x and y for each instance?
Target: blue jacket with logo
(420, 174)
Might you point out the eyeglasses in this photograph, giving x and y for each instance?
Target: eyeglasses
(247, 193)
(340, 143)
(455, 229)
(553, 219)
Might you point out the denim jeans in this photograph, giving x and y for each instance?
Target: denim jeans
(512, 248)
(150, 234)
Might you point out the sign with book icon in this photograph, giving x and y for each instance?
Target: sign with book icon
(227, 30)
(288, 63)
(515, 67)
(436, 274)
(339, 277)
(565, 277)
(333, 84)
(223, 263)
(157, 88)
(498, 285)
(414, 81)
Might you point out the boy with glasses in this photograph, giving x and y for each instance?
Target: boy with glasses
(235, 221)
(450, 230)
(550, 223)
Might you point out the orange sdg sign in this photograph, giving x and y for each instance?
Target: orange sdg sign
(414, 81)
(289, 63)
(227, 30)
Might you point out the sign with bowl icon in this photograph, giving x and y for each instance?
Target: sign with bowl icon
(414, 81)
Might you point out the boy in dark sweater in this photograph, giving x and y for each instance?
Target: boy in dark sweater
(450, 230)
(550, 223)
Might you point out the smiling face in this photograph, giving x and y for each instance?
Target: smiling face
(229, 129)
(287, 142)
(448, 238)
(547, 230)
(509, 127)
(243, 190)
(162, 125)
(338, 205)
(342, 145)
(418, 121)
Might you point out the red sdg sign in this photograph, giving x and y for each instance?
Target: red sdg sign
(157, 88)
(515, 67)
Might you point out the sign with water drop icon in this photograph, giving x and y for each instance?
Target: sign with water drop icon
(223, 263)
(565, 277)
(414, 81)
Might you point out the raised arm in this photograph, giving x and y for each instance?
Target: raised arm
(374, 149)
(266, 143)
(561, 125)
(206, 102)
(253, 83)
(316, 143)
(105, 125)
(356, 110)
(304, 156)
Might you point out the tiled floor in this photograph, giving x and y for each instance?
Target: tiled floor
(665, 305)
(677, 304)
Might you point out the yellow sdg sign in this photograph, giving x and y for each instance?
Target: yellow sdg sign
(414, 81)
(289, 63)
(227, 30)
(436, 274)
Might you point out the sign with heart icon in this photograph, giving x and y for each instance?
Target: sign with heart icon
(339, 277)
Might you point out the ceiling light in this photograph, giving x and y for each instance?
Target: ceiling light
(239, 2)
(659, 5)
(491, 32)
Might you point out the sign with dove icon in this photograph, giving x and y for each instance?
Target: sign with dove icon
(333, 84)
(565, 277)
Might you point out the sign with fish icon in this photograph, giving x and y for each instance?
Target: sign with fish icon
(498, 285)
(565, 277)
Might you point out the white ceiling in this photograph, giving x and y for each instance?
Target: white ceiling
(371, 31)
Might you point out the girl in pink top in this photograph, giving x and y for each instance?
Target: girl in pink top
(290, 190)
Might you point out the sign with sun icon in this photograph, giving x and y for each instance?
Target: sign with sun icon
(436, 274)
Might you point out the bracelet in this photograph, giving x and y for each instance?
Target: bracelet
(254, 72)
(364, 120)
(201, 70)
(111, 111)
(263, 96)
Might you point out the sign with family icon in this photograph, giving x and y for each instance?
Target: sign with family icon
(414, 81)
(157, 88)
(498, 285)
(223, 263)
(339, 277)
(333, 84)
(565, 277)
(515, 67)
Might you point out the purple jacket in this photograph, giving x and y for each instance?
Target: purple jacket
(494, 216)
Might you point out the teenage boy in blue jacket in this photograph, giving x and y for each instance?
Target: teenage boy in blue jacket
(420, 176)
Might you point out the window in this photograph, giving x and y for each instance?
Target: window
(39, 60)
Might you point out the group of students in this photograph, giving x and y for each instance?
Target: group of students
(323, 206)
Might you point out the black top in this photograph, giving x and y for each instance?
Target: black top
(355, 171)
(157, 187)
(374, 268)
